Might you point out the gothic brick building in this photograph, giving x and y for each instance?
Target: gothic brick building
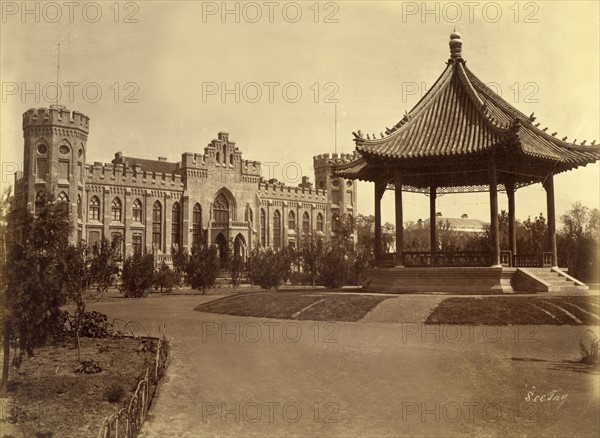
(156, 204)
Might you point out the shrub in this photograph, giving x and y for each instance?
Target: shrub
(300, 278)
(114, 393)
(165, 278)
(203, 266)
(268, 269)
(95, 325)
(333, 268)
(590, 355)
(138, 275)
(88, 366)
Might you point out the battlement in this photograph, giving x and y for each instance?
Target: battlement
(251, 167)
(323, 160)
(107, 173)
(56, 115)
(276, 189)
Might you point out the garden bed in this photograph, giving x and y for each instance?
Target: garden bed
(47, 394)
(550, 310)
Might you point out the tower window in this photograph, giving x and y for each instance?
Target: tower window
(63, 201)
(79, 207)
(116, 210)
(40, 201)
(42, 149)
(94, 209)
(64, 149)
(231, 159)
(292, 220)
(137, 211)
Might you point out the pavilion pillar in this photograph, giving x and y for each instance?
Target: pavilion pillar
(378, 195)
(549, 186)
(512, 229)
(432, 220)
(494, 228)
(399, 221)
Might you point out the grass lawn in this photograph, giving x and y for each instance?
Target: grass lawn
(46, 395)
(517, 310)
(315, 307)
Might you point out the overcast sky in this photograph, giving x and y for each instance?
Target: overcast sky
(161, 68)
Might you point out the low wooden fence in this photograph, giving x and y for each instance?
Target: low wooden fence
(128, 421)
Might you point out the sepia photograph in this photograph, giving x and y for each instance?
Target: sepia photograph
(280, 219)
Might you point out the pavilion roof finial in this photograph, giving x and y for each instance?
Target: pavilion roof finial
(455, 45)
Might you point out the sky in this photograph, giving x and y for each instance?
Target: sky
(162, 78)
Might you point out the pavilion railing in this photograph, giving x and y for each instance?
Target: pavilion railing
(538, 260)
(445, 259)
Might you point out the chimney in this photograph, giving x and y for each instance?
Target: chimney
(465, 216)
(439, 214)
(162, 158)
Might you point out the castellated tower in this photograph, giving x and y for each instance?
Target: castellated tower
(341, 192)
(54, 161)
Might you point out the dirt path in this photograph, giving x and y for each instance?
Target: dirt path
(239, 376)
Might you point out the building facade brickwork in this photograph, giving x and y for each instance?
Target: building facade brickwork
(216, 195)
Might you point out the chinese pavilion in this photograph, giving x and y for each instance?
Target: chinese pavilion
(461, 137)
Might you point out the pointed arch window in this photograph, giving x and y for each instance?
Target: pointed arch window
(94, 209)
(63, 201)
(176, 225)
(305, 223)
(157, 225)
(40, 201)
(277, 230)
(319, 222)
(221, 209)
(197, 224)
(292, 220)
(263, 228)
(136, 209)
(116, 210)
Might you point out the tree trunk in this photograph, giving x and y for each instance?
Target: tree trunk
(5, 359)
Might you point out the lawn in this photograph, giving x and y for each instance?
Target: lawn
(553, 310)
(46, 395)
(315, 307)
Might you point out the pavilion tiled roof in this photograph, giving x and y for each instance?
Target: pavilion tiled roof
(460, 116)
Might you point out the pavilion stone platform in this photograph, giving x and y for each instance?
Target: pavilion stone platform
(471, 280)
(462, 137)
(451, 280)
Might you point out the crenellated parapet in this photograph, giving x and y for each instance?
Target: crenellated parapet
(325, 160)
(118, 174)
(55, 118)
(274, 189)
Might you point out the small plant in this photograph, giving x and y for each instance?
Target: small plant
(590, 356)
(103, 348)
(114, 393)
(146, 345)
(88, 366)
